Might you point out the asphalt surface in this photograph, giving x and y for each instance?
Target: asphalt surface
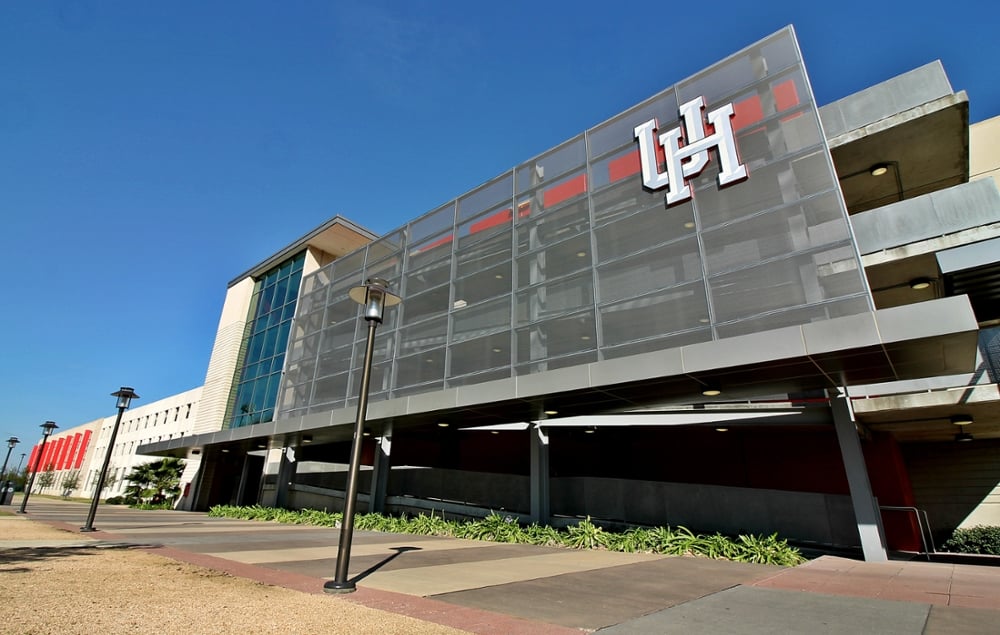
(499, 588)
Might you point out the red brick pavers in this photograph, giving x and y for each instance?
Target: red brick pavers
(940, 584)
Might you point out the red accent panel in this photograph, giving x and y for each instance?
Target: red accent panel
(891, 485)
(564, 191)
(747, 112)
(63, 452)
(31, 459)
(786, 95)
(83, 450)
(492, 220)
(624, 166)
(437, 243)
(51, 451)
(73, 450)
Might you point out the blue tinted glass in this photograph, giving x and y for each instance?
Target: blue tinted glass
(274, 302)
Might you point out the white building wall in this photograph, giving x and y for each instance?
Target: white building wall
(225, 358)
(161, 420)
(984, 150)
(70, 458)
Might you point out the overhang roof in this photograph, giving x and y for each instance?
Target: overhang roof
(337, 237)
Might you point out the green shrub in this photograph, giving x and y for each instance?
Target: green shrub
(543, 535)
(494, 528)
(114, 500)
(981, 539)
(585, 534)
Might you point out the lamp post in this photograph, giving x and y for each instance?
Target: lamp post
(47, 429)
(125, 396)
(11, 442)
(374, 296)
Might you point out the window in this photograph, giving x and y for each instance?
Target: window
(265, 342)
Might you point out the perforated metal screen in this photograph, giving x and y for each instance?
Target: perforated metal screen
(568, 258)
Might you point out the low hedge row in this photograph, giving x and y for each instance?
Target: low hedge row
(583, 535)
(981, 539)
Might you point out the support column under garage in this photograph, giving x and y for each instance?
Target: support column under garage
(380, 473)
(539, 480)
(866, 511)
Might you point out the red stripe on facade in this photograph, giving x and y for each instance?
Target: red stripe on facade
(492, 220)
(31, 459)
(624, 166)
(64, 444)
(83, 450)
(746, 112)
(564, 191)
(73, 450)
(437, 243)
(50, 452)
(786, 95)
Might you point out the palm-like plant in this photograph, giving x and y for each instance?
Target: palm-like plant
(155, 482)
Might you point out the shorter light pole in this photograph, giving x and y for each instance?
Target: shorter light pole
(125, 396)
(11, 442)
(374, 296)
(47, 429)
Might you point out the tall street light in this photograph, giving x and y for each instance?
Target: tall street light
(125, 397)
(11, 442)
(47, 429)
(374, 296)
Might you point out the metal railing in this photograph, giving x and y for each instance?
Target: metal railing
(926, 537)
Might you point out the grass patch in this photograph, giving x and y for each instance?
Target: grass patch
(585, 534)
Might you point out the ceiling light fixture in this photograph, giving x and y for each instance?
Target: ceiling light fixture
(551, 412)
(878, 169)
(721, 429)
(961, 420)
(963, 437)
(920, 283)
(443, 424)
(711, 389)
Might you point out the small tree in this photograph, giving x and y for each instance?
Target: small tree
(109, 481)
(48, 477)
(70, 481)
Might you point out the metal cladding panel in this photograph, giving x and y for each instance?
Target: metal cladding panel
(709, 211)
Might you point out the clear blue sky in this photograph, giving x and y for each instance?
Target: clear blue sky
(150, 152)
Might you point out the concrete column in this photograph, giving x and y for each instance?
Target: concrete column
(865, 506)
(244, 478)
(380, 474)
(286, 473)
(539, 483)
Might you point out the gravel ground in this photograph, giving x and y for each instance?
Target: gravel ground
(115, 590)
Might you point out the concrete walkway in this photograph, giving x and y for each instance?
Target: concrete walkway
(497, 588)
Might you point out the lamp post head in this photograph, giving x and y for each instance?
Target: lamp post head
(374, 296)
(11, 442)
(48, 427)
(125, 396)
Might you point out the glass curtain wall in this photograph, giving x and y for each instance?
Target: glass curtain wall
(568, 259)
(264, 344)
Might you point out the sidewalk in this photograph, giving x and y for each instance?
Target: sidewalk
(498, 588)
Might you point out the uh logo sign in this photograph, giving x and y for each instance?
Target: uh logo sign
(687, 161)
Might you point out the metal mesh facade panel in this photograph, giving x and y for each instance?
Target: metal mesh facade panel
(569, 258)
